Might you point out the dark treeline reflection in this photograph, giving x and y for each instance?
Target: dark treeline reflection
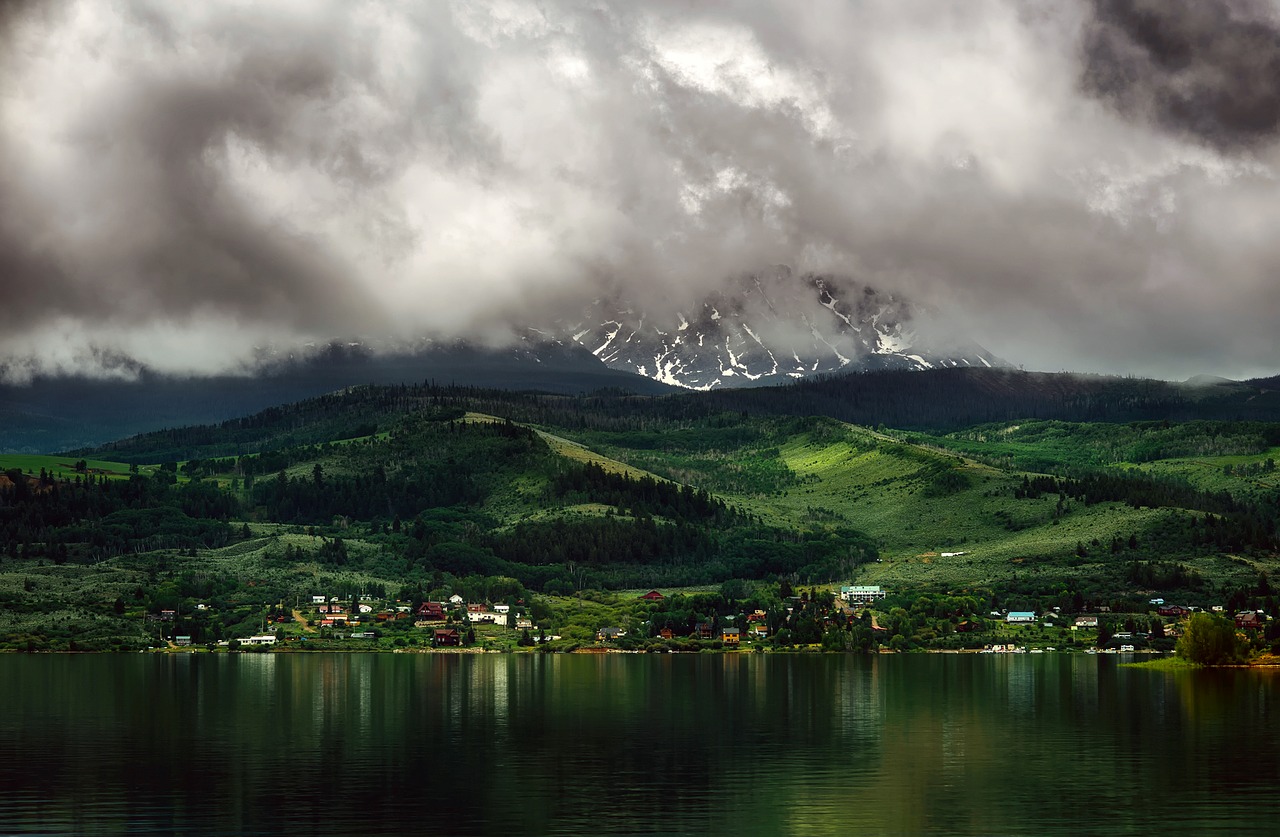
(469, 744)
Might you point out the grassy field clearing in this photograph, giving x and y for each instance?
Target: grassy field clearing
(64, 466)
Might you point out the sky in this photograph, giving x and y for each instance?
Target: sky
(1081, 186)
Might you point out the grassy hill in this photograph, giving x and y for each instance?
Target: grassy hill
(421, 488)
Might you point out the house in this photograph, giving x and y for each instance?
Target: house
(1086, 622)
(758, 630)
(967, 626)
(1249, 620)
(363, 635)
(666, 633)
(702, 630)
(446, 638)
(861, 593)
(501, 608)
(482, 614)
(455, 600)
(332, 608)
(652, 596)
(318, 600)
(202, 606)
(610, 634)
(1176, 611)
(730, 636)
(431, 611)
(524, 623)
(168, 615)
(182, 641)
(264, 639)
(1020, 616)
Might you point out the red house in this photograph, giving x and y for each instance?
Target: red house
(1249, 620)
(446, 638)
(1176, 611)
(652, 596)
(431, 611)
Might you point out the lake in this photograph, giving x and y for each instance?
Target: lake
(630, 744)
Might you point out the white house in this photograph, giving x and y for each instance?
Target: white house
(1020, 616)
(455, 599)
(318, 599)
(861, 593)
(264, 639)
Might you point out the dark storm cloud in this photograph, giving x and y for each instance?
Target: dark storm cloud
(180, 183)
(1210, 68)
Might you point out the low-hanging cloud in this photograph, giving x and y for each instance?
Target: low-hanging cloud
(1078, 186)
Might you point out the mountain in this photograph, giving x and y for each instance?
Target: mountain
(769, 329)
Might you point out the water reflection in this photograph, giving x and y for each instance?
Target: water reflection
(594, 744)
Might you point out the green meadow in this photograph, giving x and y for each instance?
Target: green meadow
(64, 465)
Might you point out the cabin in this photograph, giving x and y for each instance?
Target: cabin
(610, 634)
(1085, 622)
(1020, 617)
(666, 633)
(446, 638)
(652, 596)
(702, 630)
(730, 636)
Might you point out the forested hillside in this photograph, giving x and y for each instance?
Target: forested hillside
(431, 487)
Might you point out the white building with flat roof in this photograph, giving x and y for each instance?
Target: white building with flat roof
(861, 593)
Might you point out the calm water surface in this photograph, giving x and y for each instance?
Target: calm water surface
(735, 744)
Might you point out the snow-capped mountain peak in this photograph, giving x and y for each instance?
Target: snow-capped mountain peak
(767, 330)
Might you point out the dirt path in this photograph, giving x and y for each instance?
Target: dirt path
(302, 620)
